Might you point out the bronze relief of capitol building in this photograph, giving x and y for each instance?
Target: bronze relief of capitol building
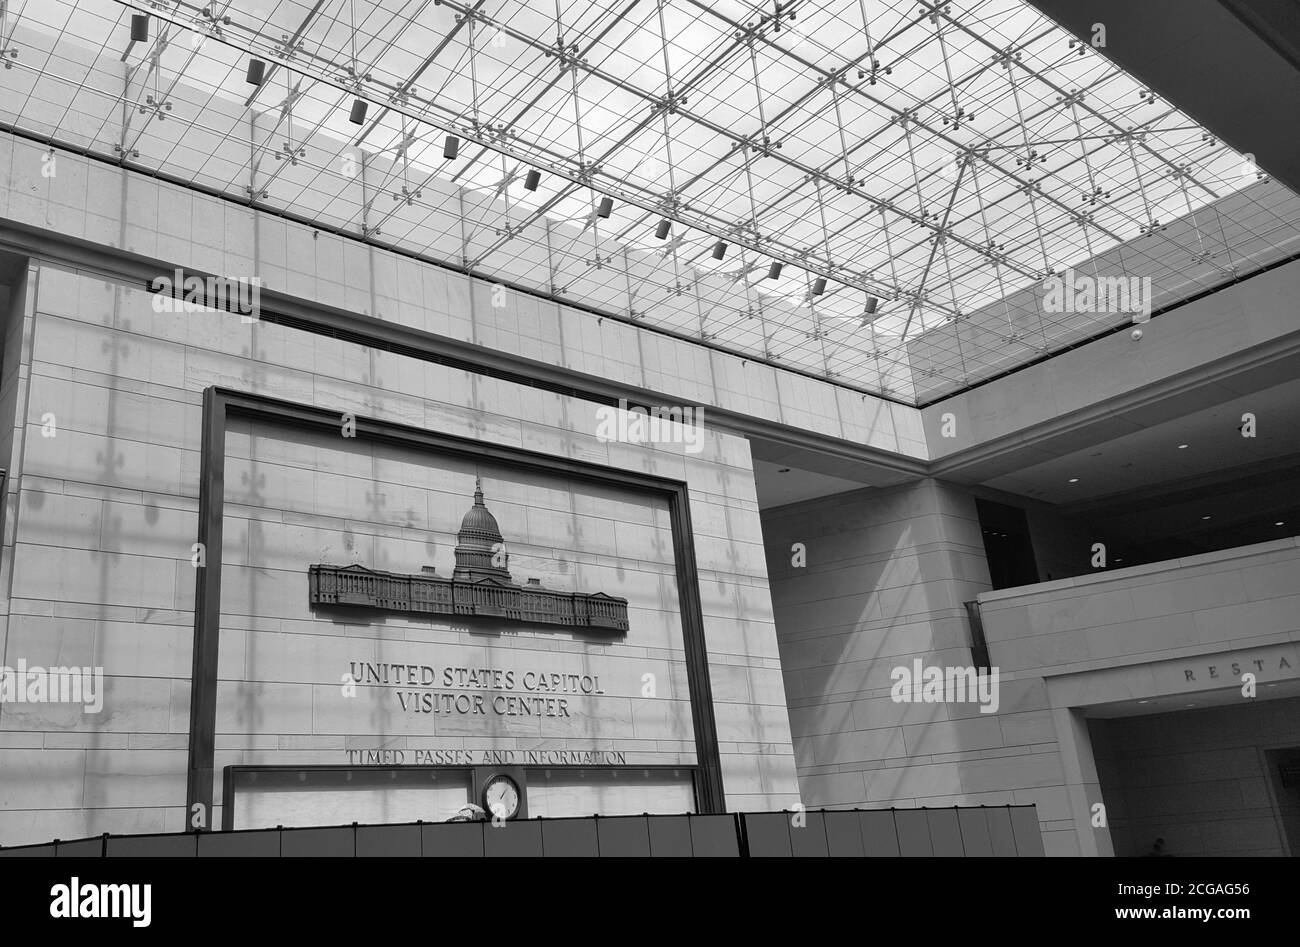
(478, 587)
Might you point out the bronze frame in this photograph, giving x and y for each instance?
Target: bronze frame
(221, 403)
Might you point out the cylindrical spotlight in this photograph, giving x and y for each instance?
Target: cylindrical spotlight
(534, 178)
(819, 286)
(358, 114)
(606, 207)
(256, 72)
(872, 303)
(774, 271)
(450, 147)
(719, 250)
(139, 28)
(662, 230)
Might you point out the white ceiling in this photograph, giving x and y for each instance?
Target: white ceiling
(1151, 455)
(1200, 700)
(777, 489)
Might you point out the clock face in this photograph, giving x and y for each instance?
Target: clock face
(501, 797)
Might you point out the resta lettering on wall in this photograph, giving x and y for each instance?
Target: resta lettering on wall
(1235, 669)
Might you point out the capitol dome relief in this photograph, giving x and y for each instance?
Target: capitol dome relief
(479, 542)
(480, 585)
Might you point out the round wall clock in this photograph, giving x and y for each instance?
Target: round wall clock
(501, 797)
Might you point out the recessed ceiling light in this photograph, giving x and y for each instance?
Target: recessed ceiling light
(1279, 523)
(1182, 447)
(1074, 480)
(1144, 701)
(1205, 517)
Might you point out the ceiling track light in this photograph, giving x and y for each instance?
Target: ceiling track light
(533, 179)
(774, 271)
(256, 72)
(450, 147)
(719, 250)
(139, 28)
(872, 303)
(819, 286)
(358, 114)
(661, 231)
(606, 207)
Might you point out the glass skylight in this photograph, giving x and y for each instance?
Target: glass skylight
(941, 160)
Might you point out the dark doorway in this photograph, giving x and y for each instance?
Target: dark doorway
(1006, 544)
(1284, 770)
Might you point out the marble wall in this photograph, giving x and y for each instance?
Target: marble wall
(886, 576)
(104, 514)
(1237, 598)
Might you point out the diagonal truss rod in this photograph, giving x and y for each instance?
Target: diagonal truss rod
(938, 240)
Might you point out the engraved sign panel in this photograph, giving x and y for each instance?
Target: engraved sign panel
(388, 606)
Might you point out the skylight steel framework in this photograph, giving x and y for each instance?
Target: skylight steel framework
(941, 159)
